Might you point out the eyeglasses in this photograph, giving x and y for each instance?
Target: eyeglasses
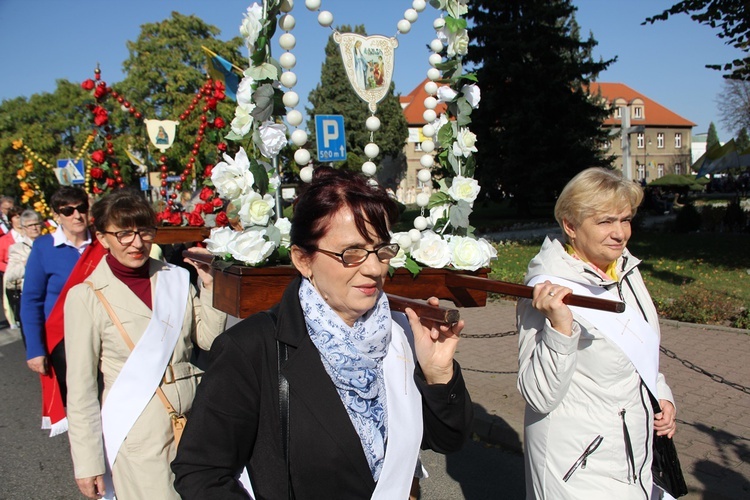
(68, 211)
(356, 256)
(36, 224)
(127, 237)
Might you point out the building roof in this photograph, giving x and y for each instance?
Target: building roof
(655, 115)
(413, 105)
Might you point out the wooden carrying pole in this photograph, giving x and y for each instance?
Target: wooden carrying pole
(523, 291)
(398, 303)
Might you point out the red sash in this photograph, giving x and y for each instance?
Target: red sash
(53, 411)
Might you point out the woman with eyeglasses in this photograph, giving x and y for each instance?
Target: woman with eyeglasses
(18, 254)
(15, 234)
(51, 261)
(132, 324)
(364, 387)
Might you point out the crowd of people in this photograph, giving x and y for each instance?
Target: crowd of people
(330, 393)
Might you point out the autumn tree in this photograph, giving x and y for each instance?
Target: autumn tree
(335, 96)
(537, 126)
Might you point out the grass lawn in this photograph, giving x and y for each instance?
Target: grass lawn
(696, 277)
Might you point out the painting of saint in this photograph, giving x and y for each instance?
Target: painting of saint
(360, 66)
(161, 136)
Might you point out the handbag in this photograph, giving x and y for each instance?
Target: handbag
(179, 420)
(665, 466)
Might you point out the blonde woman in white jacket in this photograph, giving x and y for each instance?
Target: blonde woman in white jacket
(586, 377)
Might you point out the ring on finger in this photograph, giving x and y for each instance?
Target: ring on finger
(551, 294)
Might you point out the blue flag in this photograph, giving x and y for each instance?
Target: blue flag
(222, 70)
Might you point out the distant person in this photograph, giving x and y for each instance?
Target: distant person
(6, 203)
(18, 254)
(15, 234)
(594, 395)
(132, 299)
(52, 259)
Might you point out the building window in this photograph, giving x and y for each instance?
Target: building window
(659, 170)
(641, 172)
(618, 112)
(677, 168)
(641, 140)
(638, 112)
(607, 144)
(417, 147)
(678, 140)
(660, 140)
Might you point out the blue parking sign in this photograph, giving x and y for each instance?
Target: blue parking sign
(330, 137)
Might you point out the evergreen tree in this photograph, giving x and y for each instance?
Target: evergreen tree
(743, 140)
(334, 96)
(712, 140)
(537, 125)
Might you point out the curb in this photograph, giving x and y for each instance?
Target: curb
(701, 326)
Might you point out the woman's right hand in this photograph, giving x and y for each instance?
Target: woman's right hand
(548, 300)
(38, 364)
(92, 487)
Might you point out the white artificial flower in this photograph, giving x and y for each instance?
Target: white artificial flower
(405, 243)
(446, 94)
(465, 143)
(242, 122)
(432, 250)
(251, 246)
(464, 188)
(219, 240)
(273, 138)
(438, 212)
(255, 210)
(472, 94)
(274, 181)
(232, 177)
(245, 94)
(458, 43)
(470, 254)
(284, 226)
(251, 26)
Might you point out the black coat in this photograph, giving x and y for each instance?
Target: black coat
(235, 418)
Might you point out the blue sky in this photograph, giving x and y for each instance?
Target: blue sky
(46, 40)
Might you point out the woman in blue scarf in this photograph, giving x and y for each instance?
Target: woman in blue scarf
(367, 387)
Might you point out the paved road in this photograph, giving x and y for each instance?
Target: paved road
(713, 436)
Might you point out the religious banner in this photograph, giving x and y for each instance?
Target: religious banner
(161, 133)
(369, 64)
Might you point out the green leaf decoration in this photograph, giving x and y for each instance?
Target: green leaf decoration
(464, 112)
(260, 175)
(439, 198)
(233, 136)
(446, 135)
(454, 162)
(459, 214)
(263, 98)
(470, 164)
(412, 266)
(265, 71)
(447, 65)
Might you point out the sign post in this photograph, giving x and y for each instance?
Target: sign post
(330, 138)
(69, 172)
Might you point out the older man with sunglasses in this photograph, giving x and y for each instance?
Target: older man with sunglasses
(48, 269)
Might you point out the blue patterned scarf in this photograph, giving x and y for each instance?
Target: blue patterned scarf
(353, 358)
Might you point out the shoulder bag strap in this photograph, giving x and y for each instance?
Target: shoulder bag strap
(128, 342)
(282, 354)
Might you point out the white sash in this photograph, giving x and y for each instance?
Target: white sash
(627, 330)
(404, 416)
(144, 369)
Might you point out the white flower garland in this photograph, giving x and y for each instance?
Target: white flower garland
(441, 237)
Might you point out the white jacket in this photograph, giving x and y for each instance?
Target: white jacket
(583, 386)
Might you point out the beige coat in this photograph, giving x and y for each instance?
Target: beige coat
(94, 346)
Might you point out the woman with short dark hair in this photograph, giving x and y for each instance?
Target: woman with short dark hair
(133, 324)
(366, 386)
